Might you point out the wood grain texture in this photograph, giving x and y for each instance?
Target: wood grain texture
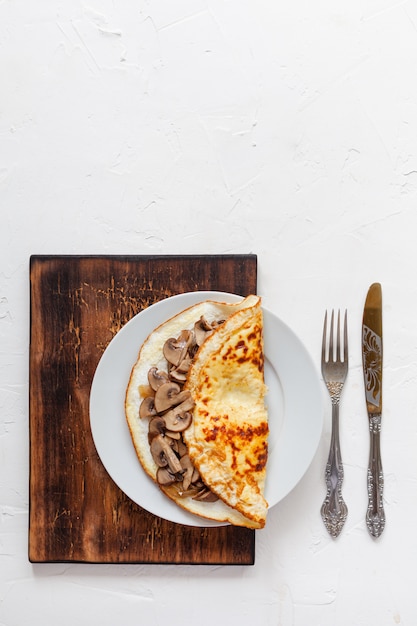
(77, 513)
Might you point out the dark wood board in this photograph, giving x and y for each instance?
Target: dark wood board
(77, 513)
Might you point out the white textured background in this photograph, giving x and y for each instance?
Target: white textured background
(286, 129)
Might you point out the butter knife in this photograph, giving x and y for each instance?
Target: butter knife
(372, 372)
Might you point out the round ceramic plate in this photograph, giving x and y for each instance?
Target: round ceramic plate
(294, 404)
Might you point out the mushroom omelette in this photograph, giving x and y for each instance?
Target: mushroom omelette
(195, 406)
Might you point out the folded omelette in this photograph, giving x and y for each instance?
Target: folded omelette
(195, 406)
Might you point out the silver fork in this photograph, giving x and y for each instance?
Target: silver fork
(334, 367)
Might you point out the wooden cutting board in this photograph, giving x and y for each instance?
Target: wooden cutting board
(77, 513)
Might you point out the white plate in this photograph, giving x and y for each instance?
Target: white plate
(294, 404)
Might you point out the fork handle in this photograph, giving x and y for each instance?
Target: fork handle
(375, 515)
(334, 510)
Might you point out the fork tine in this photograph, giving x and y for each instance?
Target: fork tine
(345, 339)
(331, 356)
(338, 337)
(323, 345)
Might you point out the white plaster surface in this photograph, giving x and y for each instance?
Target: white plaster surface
(286, 129)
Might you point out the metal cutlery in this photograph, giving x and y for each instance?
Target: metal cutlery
(372, 371)
(334, 367)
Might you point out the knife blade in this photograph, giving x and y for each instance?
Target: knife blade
(372, 359)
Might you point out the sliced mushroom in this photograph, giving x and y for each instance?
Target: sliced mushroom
(177, 376)
(173, 443)
(179, 421)
(188, 471)
(202, 329)
(179, 418)
(211, 497)
(169, 395)
(205, 495)
(156, 427)
(172, 435)
(169, 409)
(182, 448)
(176, 349)
(164, 455)
(196, 476)
(165, 477)
(186, 493)
(179, 373)
(157, 378)
(147, 407)
(184, 366)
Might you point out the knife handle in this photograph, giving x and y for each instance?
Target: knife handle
(375, 515)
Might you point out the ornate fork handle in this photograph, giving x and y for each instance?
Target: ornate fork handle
(375, 515)
(334, 510)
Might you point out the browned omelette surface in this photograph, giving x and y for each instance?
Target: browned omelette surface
(228, 438)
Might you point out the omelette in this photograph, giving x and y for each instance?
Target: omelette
(195, 407)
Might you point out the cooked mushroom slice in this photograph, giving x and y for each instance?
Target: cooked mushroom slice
(182, 448)
(188, 473)
(164, 455)
(196, 475)
(184, 366)
(147, 407)
(179, 373)
(177, 376)
(186, 493)
(169, 395)
(202, 328)
(176, 436)
(157, 378)
(179, 418)
(165, 477)
(176, 349)
(173, 443)
(205, 495)
(211, 497)
(156, 427)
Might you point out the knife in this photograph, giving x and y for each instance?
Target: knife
(372, 372)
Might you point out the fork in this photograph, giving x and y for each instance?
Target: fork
(334, 367)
